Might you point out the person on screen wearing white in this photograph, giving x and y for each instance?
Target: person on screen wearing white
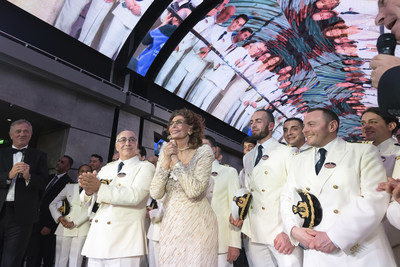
(217, 78)
(202, 27)
(266, 83)
(248, 67)
(125, 17)
(266, 169)
(69, 13)
(195, 62)
(188, 41)
(95, 16)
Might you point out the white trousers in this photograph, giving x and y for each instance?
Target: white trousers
(113, 38)
(222, 260)
(68, 251)
(262, 255)
(118, 262)
(69, 14)
(154, 250)
(94, 18)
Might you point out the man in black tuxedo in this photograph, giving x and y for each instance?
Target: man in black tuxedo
(43, 240)
(23, 172)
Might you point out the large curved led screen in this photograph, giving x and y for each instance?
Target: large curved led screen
(101, 24)
(285, 56)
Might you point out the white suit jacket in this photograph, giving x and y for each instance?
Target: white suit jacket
(352, 208)
(117, 228)
(390, 152)
(393, 214)
(265, 181)
(226, 184)
(78, 212)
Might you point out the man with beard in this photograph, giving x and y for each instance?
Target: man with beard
(266, 170)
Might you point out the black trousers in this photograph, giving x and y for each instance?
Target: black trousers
(41, 248)
(14, 238)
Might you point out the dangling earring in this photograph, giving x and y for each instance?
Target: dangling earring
(189, 133)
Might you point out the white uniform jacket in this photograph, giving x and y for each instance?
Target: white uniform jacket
(226, 184)
(352, 208)
(390, 152)
(266, 180)
(117, 228)
(78, 212)
(393, 214)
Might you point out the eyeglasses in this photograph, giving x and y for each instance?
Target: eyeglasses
(123, 140)
(177, 122)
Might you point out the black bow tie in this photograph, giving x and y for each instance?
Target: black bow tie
(15, 150)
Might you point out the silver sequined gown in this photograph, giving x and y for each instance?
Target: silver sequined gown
(189, 233)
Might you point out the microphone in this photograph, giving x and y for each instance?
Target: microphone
(23, 151)
(386, 44)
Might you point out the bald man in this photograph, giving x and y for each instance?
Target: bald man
(117, 234)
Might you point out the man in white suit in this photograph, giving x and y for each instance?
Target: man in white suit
(380, 130)
(266, 169)
(343, 176)
(117, 234)
(226, 184)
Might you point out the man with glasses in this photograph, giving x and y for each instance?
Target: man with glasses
(117, 234)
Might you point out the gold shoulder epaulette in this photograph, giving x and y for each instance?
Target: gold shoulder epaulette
(363, 142)
(398, 157)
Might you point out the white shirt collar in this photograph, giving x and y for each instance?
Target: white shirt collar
(386, 145)
(19, 148)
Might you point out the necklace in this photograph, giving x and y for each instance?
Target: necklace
(183, 149)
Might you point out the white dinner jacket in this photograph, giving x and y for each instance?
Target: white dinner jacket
(117, 228)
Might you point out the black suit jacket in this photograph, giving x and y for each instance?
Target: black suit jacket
(45, 218)
(389, 92)
(26, 202)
